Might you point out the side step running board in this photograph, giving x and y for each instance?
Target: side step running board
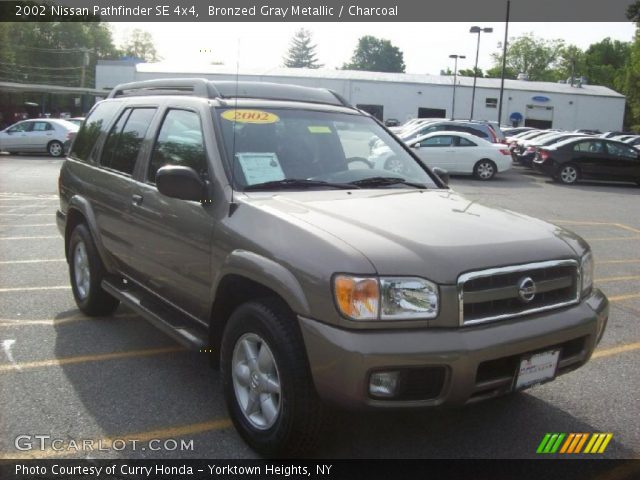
(167, 319)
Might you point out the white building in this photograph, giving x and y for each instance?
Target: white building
(404, 96)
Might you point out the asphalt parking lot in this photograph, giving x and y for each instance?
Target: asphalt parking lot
(118, 379)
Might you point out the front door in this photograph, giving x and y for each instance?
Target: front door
(15, 137)
(174, 260)
(438, 151)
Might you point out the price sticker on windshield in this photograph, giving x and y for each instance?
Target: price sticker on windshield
(250, 116)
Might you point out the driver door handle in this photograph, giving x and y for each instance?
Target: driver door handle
(136, 199)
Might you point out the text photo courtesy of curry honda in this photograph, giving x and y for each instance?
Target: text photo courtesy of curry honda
(359, 237)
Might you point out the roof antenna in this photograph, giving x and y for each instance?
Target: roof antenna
(233, 206)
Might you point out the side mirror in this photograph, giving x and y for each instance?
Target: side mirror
(442, 174)
(180, 182)
(416, 145)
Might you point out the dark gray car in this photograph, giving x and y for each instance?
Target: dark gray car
(244, 219)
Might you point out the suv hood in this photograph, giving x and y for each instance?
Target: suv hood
(436, 234)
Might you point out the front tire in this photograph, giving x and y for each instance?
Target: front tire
(86, 272)
(267, 384)
(485, 170)
(55, 149)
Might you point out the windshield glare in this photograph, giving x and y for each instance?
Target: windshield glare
(286, 144)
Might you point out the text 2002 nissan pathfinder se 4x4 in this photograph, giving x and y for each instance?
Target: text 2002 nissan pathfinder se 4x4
(245, 218)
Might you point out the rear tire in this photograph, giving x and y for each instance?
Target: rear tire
(86, 272)
(568, 174)
(485, 169)
(55, 149)
(267, 383)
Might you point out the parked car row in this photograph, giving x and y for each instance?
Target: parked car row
(568, 157)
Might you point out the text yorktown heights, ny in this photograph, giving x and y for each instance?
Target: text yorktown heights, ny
(125, 469)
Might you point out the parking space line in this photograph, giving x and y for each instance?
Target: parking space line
(27, 225)
(26, 214)
(612, 224)
(611, 238)
(140, 437)
(612, 262)
(57, 362)
(619, 298)
(33, 289)
(607, 352)
(35, 237)
(52, 322)
(616, 279)
(40, 260)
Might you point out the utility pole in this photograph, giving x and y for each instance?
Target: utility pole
(504, 62)
(477, 30)
(455, 81)
(85, 64)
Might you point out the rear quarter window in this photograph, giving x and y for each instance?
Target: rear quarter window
(96, 123)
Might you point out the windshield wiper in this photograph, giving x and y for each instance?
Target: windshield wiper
(293, 183)
(385, 181)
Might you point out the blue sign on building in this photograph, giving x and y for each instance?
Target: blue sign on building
(540, 98)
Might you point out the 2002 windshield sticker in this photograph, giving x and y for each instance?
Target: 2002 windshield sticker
(250, 116)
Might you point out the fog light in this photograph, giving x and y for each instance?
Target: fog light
(383, 384)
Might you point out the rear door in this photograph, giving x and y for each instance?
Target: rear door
(113, 184)
(173, 254)
(591, 156)
(465, 155)
(39, 136)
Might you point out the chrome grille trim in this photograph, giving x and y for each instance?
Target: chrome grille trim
(465, 277)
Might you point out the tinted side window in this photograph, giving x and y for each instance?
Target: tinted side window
(21, 127)
(621, 150)
(97, 121)
(463, 142)
(438, 141)
(42, 126)
(125, 138)
(179, 142)
(589, 146)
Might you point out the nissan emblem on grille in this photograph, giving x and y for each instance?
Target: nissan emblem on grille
(526, 289)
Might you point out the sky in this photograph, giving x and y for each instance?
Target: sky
(426, 46)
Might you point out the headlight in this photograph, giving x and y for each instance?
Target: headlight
(586, 273)
(386, 298)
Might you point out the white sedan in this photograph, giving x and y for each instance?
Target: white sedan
(455, 152)
(42, 135)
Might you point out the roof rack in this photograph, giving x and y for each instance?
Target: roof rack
(200, 87)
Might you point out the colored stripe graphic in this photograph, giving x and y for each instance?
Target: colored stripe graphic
(573, 443)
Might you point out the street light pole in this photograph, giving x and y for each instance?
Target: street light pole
(477, 30)
(455, 82)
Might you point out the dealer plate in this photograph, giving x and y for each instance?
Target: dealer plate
(537, 368)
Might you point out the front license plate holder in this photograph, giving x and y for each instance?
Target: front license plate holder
(537, 368)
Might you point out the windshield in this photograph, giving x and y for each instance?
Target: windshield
(289, 148)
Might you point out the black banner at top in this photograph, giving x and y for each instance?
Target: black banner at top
(314, 10)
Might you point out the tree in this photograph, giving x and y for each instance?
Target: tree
(376, 55)
(302, 53)
(140, 45)
(605, 62)
(531, 55)
(468, 72)
(56, 53)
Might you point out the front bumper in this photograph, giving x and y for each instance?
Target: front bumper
(478, 362)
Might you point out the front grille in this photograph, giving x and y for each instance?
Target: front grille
(505, 292)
